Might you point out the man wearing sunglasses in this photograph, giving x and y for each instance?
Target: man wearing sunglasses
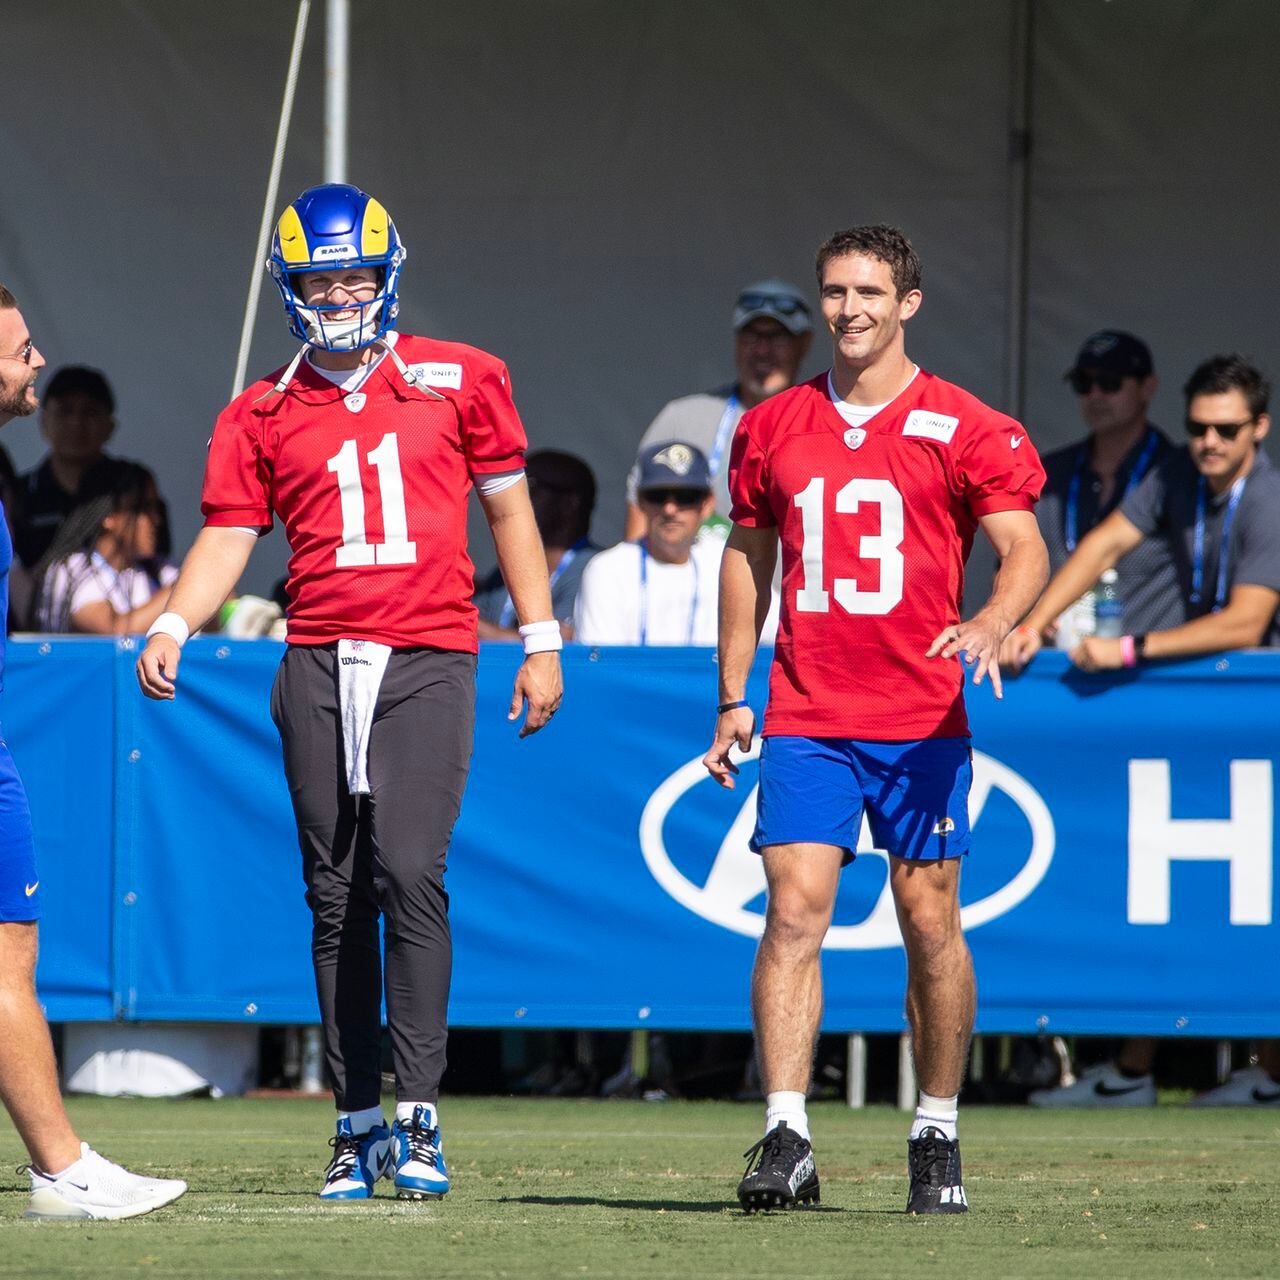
(68, 1178)
(1114, 382)
(772, 332)
(1216, 507)
(663, 589)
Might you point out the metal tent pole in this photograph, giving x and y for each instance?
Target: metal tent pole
(337, 78)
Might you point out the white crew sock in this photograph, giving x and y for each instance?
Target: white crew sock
(937, 1113)
(789, 1107)
(362, 1121)
(405, 1110)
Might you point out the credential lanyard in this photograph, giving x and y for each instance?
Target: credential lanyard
(1140, 469)
(1224, 543)
(644, 596)
(508, 616)
(724, 433)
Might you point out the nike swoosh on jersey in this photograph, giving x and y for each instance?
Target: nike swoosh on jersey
(31, 888)
(1110, 1091)
(1015, 440)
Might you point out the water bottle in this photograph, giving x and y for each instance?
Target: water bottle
(1109, 609)
(1078, 621)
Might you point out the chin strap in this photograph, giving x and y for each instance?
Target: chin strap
(413, 378)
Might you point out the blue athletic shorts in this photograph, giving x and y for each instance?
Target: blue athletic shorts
(19, 884)
(915, 794)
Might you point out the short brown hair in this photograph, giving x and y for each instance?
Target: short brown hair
(885, 243)
(7, 301)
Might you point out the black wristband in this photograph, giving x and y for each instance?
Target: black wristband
(1140, 647)
(731, 706)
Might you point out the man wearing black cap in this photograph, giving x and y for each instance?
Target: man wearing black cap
(77, 418)
(1114, 382)
(772, 332)
(663, 589)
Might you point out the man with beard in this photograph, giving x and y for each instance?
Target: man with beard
(68, 1178)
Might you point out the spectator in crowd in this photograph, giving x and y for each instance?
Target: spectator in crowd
(115, 583)
(665, 588)
(772, 332)
(68, 1178)
(77, 418)
(1114, 381)
(563, 492)
(1216, 505)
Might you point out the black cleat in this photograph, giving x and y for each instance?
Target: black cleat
(933, 1162)
(785, 1174)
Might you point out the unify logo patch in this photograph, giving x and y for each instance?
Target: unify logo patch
(730, 893)
(932, 426)
(438, 375)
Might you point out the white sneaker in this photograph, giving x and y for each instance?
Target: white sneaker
(93, 1187)
(1248, 1087)
(1100, 1086)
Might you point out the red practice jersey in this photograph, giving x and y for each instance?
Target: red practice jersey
(875, 523)
(371, 488)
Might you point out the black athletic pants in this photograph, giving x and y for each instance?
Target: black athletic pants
(380, 854)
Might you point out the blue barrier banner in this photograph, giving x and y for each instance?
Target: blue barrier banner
(1121, 879)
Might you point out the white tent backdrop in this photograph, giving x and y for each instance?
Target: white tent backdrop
(583, 186)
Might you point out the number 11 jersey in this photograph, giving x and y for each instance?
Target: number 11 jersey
(875, 523)
(371, 486)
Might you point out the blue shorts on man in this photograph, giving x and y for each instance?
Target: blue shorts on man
(19, 884)
(915, 795)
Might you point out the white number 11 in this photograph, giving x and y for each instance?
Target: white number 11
(356, 551)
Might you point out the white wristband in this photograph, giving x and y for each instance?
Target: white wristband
(172, 625)
(541, 637)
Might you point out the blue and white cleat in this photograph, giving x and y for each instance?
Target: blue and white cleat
(358, 1162)
(419, 1159)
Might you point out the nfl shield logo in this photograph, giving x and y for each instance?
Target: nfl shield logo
(355, 401)
(854, 437)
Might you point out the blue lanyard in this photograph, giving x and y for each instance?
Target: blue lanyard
(724, 433)
(1140, 469)
(507, 617)
(1224, 544)
(644, 596)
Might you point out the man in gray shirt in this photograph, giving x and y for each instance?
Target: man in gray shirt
(773, 328)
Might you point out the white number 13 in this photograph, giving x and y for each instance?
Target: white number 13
(356, 550)
(883, 546)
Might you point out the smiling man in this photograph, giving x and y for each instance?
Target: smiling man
(366, 446)
(68, 1178)
(874, 477)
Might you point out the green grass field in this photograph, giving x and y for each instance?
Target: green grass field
(547, 1188)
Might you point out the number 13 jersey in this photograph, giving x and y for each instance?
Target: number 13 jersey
(875, 524)
(371, 487)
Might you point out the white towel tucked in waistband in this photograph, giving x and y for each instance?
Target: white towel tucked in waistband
(361, 666)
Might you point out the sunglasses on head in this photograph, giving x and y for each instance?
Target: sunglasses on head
(1226, 430)
(681, 497)
(769, 302)
(1082, 382)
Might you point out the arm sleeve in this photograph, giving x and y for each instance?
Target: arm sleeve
(997, 467)
(1144, 507)
(747, 485)
(1257, 562)
(237, 477)
(492, 433)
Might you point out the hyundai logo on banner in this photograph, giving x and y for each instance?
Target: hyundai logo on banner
(730, 891)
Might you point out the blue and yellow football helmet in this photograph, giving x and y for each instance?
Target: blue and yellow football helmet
(326, 228)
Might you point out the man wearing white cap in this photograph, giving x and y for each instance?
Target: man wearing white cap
(772, 331)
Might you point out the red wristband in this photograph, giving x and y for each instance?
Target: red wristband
(1128, 654)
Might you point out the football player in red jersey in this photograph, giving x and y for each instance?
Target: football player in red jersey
(366, 447)
(874, 477)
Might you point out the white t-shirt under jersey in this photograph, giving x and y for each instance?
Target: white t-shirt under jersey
(669, 604)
